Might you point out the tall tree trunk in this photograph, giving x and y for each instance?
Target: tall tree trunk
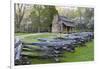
(19, 14)
(80, 13)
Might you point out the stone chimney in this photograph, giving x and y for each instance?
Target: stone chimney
(55, 25)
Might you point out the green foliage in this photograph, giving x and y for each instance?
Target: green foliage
(85, 18)
(42, 16)
(19, 14)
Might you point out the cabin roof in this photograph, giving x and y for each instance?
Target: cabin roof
(64, 20)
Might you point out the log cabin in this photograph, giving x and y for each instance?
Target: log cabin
(62, 24)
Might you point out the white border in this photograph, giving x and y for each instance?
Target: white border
(12, 36)
(85, 3)
(79, 3)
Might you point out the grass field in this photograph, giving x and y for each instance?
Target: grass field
(81, 53)
(18, 34)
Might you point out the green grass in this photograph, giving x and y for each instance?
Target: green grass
(81, 53)
(34, 38)
(18, 34)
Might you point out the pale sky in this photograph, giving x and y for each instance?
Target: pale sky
(63, 10)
